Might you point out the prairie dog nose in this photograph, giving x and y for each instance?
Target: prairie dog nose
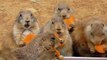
(64, 16)
(62, 41)
(58, 29)
(52, 38)
(27, 21)
(59, 33)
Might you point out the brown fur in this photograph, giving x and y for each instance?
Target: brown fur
(63, 10)
(83, 43)
(38, 49)
(57, 25)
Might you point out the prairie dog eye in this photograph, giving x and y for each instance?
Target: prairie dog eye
(20, 15)
(68, 8)
(52, 38)
(91, 33)
(52, 22)
(31, 14)
(19, 18)
(91, 25)
(103, 34)
(59, 9)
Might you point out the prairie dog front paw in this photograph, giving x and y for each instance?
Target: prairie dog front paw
(92, 50)
(21, 44)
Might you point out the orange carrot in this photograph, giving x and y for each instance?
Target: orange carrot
(56, 35)
(69, 21)
(29, 38)
(57, 53)
(100, 48)
(60, 45)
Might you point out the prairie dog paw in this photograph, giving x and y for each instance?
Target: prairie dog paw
(61, 57)
(92, 50)
(105, 47)
(21, 44)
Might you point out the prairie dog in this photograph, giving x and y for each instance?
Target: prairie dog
(89, 34)
(63, 10)
(58, 26)
(39, 49)
(25, 23)
(96, 34)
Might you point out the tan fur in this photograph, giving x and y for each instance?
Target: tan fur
(24, 24)
(38, 49)
(87, 34)
(57, 25)
(63, 10)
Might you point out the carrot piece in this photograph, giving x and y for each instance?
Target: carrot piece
(69, 21)
(56, 35)
(60, 45)
(100, 48)
(57, 53)
(29, 38)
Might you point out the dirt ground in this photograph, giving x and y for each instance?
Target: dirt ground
(43, 10)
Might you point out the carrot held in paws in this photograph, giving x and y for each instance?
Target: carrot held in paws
(59, 43)
(69, 21)
(100, 48)
(29, 38)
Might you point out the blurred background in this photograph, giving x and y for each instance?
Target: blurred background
(43, 10)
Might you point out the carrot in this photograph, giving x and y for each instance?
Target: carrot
(57, 53)
(29, 38)
(56, 35)
(60, 45)
(100, 48)
(69, 21)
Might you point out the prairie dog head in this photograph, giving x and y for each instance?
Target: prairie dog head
(96, 32)
(48, 41)
(63, 10)
(26, 19)
(58, 26)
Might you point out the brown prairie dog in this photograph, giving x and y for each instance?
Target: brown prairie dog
(58, 26)
(89, 34)
(25, 23)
